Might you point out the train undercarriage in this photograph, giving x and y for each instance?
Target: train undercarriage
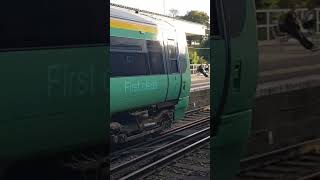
(130, 125)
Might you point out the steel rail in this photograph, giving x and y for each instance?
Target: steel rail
(165, 147)
(140, 172)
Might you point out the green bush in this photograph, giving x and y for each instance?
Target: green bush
(195, 58)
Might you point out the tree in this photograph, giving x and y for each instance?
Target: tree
(205, 51)
(193, 56)
(197, 54)
(173, 12)
(197, 17)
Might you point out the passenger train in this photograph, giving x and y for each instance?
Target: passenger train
(150, 74)
(55, 78)
(53, 64)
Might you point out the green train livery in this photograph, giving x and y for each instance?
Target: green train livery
(150, 75)
(235, 68)
(53, 64)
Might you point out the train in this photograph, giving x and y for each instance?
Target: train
(150, 74)
(58, 90)
(235, 57)
(54, 68)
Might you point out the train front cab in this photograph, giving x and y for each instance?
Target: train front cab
(235, 65)
(158, 71)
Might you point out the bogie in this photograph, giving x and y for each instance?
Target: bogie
(127, 126)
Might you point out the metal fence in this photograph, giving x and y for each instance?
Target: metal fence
(268, 18)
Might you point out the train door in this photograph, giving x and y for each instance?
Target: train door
(184, 64)
(173, 70)
(235, 62)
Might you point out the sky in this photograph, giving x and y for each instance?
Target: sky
(183, 6)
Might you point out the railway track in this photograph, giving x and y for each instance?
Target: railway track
(148, 162)
(193, 119)
(190, 166)
(140, 159)
(297, 162)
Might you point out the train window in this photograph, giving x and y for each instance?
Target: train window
(128, 64)
(172, 56)
(236, 14)
(127, 44)
(172, 52)
(183, 62)
(155, 57)
(128, 57)
(173, 66)
(41, 23)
